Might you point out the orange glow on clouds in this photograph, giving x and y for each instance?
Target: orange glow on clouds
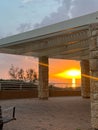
(69, 74)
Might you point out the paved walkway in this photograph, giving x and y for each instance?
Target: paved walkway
(59, 113)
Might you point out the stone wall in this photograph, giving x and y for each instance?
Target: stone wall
(93, 46)
(16, 94)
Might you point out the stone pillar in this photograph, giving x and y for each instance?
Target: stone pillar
(43, 91)
(85, 79)
(93, 46)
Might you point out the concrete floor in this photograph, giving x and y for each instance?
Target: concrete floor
(58, 113)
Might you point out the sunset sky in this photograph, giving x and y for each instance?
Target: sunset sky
(18, 16)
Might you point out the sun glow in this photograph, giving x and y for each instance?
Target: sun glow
(70, 74)
(73, 73)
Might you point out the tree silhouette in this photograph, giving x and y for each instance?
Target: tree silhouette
(21, 75)
(13, 72)
(17, 73)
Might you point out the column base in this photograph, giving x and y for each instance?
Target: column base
(86, 96)
(43, 98)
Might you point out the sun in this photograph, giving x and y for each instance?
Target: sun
(69, 74)
(74, 73)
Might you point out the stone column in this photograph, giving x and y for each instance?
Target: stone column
(43, 91)
(93, 46)
(85, 79)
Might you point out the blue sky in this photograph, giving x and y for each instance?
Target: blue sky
(16, 13)
(22, 15)
(18, 16)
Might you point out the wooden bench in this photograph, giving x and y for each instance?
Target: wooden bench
(4, 119)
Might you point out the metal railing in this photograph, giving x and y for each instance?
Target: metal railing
(66, 85)
(17, 86)
(32, 86)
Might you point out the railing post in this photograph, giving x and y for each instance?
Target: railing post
(0, 87)
(1, 121)
(20, 86)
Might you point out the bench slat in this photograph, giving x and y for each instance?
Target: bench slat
(6, 120)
